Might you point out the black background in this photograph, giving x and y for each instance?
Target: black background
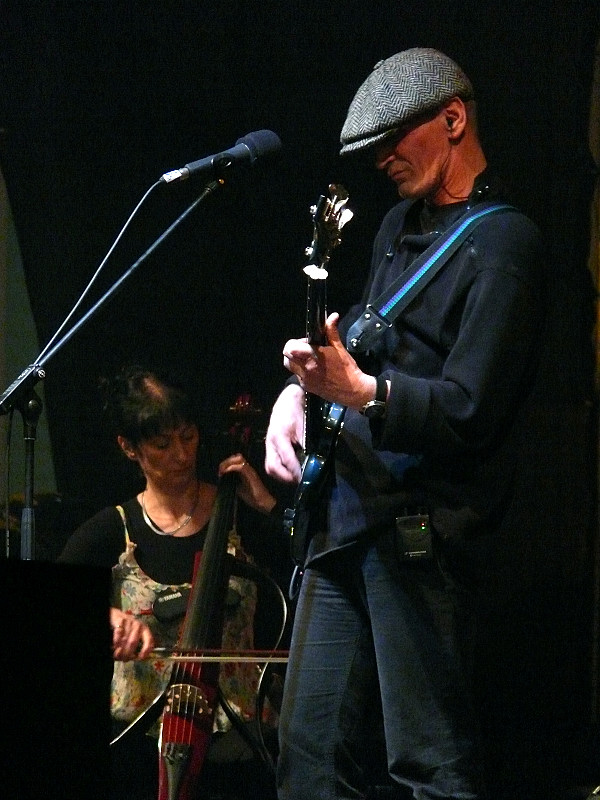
(99, 99)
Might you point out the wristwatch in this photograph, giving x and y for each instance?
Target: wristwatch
(375, 409)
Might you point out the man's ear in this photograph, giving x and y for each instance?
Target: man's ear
(455, 114)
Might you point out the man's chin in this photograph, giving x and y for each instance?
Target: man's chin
(404, 191)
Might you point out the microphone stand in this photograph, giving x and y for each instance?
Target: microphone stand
(21, 395)
(30, 407)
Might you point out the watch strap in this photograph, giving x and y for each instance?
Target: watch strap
(377, 407)
(381, 389)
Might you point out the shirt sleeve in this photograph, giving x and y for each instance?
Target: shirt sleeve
(97, 542)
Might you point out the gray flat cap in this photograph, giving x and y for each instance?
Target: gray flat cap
(400, 88)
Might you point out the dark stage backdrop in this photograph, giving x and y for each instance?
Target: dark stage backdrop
(99, 98)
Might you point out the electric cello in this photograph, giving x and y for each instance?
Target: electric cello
(192, 694)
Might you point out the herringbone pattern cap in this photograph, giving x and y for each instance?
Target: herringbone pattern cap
(400, 88)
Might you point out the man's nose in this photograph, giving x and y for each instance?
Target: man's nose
(383, 154)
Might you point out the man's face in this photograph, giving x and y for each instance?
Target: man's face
(416, 160)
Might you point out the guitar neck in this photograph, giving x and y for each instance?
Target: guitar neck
(329, 215)
(316, 308)
(316, 314)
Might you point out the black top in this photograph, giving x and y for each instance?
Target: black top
(101, 539)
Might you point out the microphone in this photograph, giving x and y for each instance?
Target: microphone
(246, 150)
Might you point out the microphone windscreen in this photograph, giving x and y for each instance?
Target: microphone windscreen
(261, 143)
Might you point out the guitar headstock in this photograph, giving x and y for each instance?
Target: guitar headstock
(329, 215)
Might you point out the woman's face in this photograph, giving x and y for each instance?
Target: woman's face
(169, 458)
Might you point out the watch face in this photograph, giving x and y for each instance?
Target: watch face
(374, 409)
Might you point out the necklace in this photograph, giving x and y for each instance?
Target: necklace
(158, 530)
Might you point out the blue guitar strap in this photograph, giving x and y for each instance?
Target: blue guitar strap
(380, 315)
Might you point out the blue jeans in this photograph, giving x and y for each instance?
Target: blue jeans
(378, 679)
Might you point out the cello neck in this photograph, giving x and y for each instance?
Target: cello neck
(211, 577)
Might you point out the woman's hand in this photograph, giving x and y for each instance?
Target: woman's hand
(132, 639)
(251, 489)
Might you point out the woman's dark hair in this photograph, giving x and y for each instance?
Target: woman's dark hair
(139, 404)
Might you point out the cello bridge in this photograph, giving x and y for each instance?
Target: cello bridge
(185, 698)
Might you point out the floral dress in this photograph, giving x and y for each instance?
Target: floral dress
(136, 684)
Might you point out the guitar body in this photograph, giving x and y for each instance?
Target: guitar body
(315, 472)
(322, 420)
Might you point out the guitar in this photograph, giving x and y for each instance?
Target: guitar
(322, 420)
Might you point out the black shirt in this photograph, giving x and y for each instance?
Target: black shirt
(100, 541)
